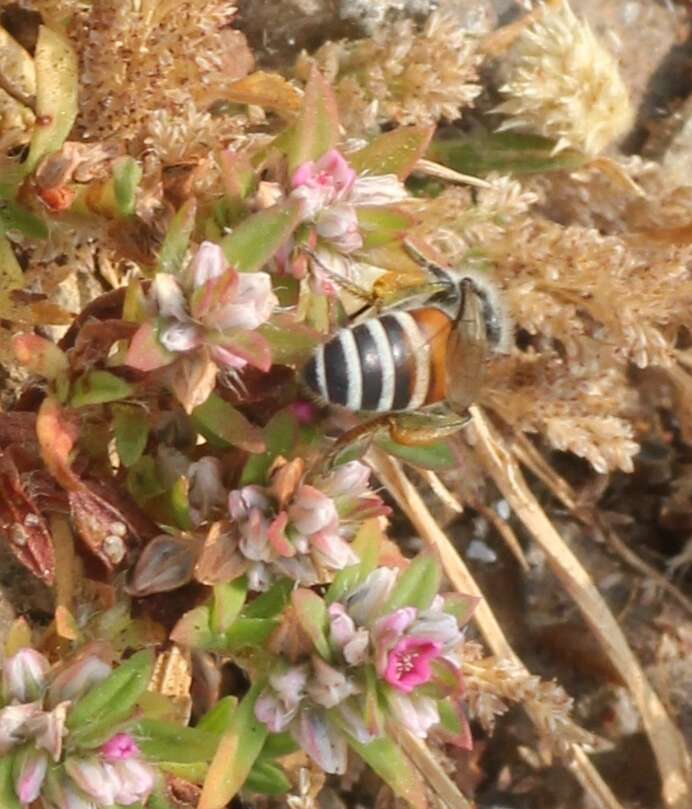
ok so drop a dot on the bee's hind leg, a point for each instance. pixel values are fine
(420, 428)
(415, 429)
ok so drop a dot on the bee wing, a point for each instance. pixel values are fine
(467, 351)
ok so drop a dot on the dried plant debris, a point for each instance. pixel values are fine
(236, 302)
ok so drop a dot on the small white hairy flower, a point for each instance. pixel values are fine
(562, 83)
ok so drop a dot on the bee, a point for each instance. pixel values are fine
(431, 351)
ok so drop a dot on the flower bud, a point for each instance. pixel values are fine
(349, 479)
(312, 511)
(13, 720)
(166, 563)
(135, 781)
(76, 679)
(24, 676)
(29, 770)
(94, 777)
(341, 626)
(329, 686)
(209, 262)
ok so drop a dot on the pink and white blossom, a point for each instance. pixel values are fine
(119, 747)
(29, 771)
(24, 676)
(75, 679)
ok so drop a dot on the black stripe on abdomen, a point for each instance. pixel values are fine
(371, 367)
(336, 371)
(403, 365)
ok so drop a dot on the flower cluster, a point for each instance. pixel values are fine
(208, 307)
(294, 528)
(376, 664)
(47, 761)
(330, 194)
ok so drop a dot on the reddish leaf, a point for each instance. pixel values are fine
(107, 521)
(39, 355)
(57, 434)
(22, 524)
(145, 352)
(248, 345)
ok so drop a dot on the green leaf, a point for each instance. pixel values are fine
(461, 606)
(143, 481)
(280, 435)
(8, 797)
(278, 745)
(227, 604)
(311, 612)
(236, 754)
(14, 217)
(179, 504)
(218, 719)
(289, 343)
(57, 75)
(99, 387)
(435, 456)
(267, 778)
(174, 247)
(248, 632)
(504, 152)
(316, 130)
(380, 225)
(416, 586)
(126, 176)
(390, 763)
(250, 245)
(158, 799)
(224, 426)
(271, 603)
(395, 152)
(114, 699)
(131, 428)
(195, 772)
(366, 545)
(167, 741)
(193, 629)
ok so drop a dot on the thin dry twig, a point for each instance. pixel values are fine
(528, 455)
(437, 778)
(666, 740)
(411, 503)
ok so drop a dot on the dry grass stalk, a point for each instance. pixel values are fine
(407, 497)
(438, 780)
(666, 740)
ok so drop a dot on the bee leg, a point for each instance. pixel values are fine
(357, 440)
(419, 429)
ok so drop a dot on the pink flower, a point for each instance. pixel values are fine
(208, 263)
(408, 663)
(24, 676)
(332, 551)
(348, 479)
(312, 511)
(119, 747)
(236, 301)
(338, 224)
(319, 184)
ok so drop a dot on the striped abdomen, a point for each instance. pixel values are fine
(392, 362)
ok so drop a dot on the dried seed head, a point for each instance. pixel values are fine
(561, 82)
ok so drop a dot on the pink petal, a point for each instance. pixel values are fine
(277, 537)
